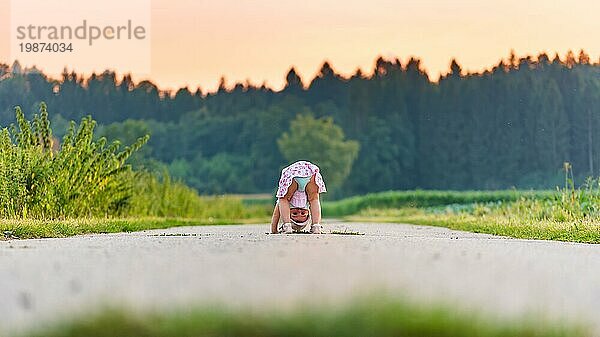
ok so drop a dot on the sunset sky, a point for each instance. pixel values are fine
(195, 42)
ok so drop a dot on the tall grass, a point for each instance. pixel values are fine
(161, 196)
(81, 177)
(568, 204)
(84, 177)
(565, 204)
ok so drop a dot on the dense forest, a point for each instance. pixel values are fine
(513, 125)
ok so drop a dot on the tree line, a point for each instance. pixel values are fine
(513, 125)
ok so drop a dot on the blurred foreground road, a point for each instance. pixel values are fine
(45, 280)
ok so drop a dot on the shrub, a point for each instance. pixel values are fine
(83, 177)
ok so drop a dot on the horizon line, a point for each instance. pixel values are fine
(119, 77)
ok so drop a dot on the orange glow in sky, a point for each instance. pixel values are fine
(195, 42)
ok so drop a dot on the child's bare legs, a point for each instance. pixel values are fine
(282, 209)
(275, 219)
(312, 191)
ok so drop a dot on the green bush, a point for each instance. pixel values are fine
(82, 177)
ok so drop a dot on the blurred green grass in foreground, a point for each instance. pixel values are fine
(375, 317)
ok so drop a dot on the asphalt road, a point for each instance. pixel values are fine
(45, 280)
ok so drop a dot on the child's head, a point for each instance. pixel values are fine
(299, 215)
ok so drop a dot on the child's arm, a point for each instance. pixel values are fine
(315, 209)
(275, 219)
(284, 210)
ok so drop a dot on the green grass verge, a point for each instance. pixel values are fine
(496, 223)
(378, 318)
(34, 229)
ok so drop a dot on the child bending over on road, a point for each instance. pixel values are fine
(298, 199)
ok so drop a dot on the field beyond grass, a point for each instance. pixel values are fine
(567, 214)
(380, 317)
(424, 198)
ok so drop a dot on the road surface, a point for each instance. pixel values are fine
(242, 265)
